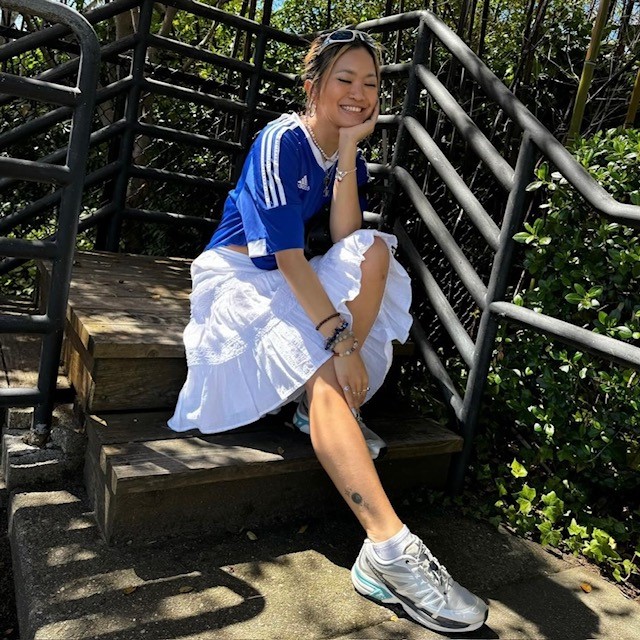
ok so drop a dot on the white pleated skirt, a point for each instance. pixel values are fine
(251, 347)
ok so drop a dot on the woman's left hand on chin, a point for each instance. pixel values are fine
(360, 131)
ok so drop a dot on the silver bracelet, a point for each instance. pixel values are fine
(341, 175)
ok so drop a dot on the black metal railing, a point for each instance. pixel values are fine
(536, 141)
(79, 100)
(445, 184)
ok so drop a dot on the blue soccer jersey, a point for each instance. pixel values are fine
(284, 183)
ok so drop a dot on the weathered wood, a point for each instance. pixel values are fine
(182, 461)
(123, 384)
(114, 428)
(21, 360)
(147, 481)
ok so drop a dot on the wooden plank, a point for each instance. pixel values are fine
(21, 361)
(131, 334)
(114, 428)
(132, 384)
(185, 461)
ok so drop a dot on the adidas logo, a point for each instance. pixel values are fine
(303, 183)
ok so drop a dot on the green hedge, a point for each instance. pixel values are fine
(558, 457)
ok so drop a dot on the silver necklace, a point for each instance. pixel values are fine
(325, 157)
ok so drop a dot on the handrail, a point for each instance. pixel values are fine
(564, 162)
(59, 251)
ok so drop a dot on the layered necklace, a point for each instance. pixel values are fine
(325, 157)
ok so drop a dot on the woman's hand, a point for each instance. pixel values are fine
(353, 135)
(353, 378)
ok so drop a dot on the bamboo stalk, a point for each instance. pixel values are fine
(633, 103)
(587, 71)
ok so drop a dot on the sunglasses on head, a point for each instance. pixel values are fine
(344, 36)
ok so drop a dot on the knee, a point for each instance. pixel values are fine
(377, 258)
(323, 387)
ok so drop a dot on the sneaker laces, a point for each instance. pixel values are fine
(421, 558)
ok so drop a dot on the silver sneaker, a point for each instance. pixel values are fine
(376, 445)
(421, 585)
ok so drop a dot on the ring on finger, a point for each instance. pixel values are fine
(346, 388)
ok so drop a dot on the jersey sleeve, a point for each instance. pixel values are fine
(270, 203)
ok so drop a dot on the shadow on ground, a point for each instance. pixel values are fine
(292, 581)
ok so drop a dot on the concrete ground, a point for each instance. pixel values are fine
(287, 582)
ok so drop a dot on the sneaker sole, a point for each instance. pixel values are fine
(381, 595)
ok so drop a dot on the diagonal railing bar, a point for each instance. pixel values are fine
(464, 196)
(467, 128)
(32, 89)
(232, 20)
(13, 247)
(441, 235)
(176, 135)
(197, 97)
(97, 137)
(108, 52)
(20, 169)
(437, 298)
(46, 121)
(45, 203)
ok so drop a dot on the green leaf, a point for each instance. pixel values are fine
(517, 470)
(577, 530)
(527, 492)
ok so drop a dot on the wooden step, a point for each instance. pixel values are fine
(125, 319)
(20, 361)
(146, 481)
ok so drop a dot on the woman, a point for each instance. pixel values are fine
(268, 326)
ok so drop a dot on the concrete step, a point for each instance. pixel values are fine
(290, 582)
(146, 481)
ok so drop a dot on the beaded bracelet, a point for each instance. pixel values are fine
(345, 335)
(349, 351)
(328, 345)
(331, 317)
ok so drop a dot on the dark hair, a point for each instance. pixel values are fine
(320, 60)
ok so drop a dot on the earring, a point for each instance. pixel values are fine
(311, 110)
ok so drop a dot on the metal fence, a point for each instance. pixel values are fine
(448, 181)
(65, 168)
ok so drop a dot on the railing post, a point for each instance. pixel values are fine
(498, 281)
(409, 109)
(132, 113)
(254, 90)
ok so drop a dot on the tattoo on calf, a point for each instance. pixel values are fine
(356, 498)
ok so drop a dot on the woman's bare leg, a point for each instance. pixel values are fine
(335, 434)
(342, 451)
(366, 306)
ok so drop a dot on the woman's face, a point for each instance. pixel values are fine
(349, 91)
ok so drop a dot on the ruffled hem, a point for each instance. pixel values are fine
(250, 345)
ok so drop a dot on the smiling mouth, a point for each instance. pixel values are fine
(351, 109)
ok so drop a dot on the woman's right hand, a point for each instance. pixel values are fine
(353, 378)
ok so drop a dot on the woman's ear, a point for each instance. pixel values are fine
(308, 88)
